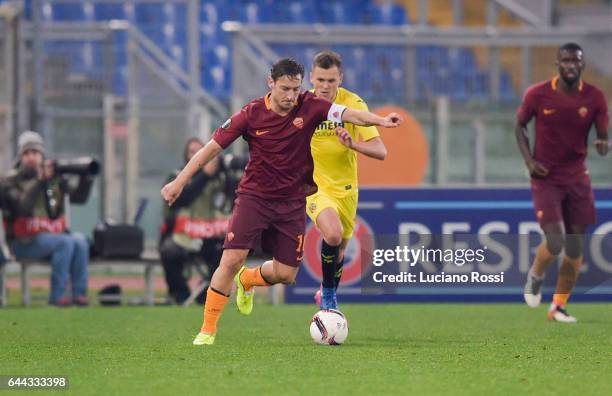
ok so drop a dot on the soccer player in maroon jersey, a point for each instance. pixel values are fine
(565, 108)
(272, 194)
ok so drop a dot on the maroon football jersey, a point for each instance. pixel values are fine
(562, 126)
(280, 164)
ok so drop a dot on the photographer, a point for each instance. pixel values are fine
(196, 224)
(35, 220)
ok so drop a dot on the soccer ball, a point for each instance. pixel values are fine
(329, 327)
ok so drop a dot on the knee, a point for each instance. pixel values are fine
(285, 274)
(231, 262)
(80, 242)
(170, 251)
(334, 238)
(65, 244)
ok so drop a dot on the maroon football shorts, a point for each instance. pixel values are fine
(281, 225)
(570, 204)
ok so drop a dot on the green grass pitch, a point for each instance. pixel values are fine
(417, 349)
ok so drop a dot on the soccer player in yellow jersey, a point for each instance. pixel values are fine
(334, 148)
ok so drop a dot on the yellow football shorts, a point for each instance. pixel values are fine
(346, 208)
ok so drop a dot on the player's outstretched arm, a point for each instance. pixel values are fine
(373, 148)
(171, 191)
(365, 118)
(535, 168)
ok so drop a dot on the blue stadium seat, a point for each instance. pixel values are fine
(154, 33)
(217, 80)
(506, 88)
(253, 12)
(216, 12)
(149, 14)
(386, 13)
(222, 54)
(478, 85)
(462, 59)
(439, 70)
(333, 12)
(180, 35)
(180, 13)
(27, 9)
(216, 56)
(300, 12)
(63, 11)
(119, 85)
(179, 54)
(208, 36)
(109, 11)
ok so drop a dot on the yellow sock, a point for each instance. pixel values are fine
(542, 260)
(252, 277)
(215, 302)
(568, 274)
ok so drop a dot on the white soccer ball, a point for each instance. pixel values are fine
(329, 327)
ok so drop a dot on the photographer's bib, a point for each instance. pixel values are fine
(24, 227)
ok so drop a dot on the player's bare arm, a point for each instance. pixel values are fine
(365, 118)
(535, 168)
(373, 148)
(171, 191)
(602, 145)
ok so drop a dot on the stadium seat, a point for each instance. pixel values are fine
(439, 70)
(301, 12)
(149, 14)
(216, 12)
(60, 11)
(334, 12)
(506, 88)
(109, 11)
(253, 12)
(386, 13)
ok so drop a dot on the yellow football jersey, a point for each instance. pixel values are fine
(335, 170)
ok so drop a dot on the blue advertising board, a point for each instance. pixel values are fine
(501, 221)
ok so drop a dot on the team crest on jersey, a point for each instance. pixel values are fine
(298, 122)
(312, 207)
(583, 111)
(227, 123)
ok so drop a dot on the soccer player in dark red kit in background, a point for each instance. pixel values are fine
(272, 193)
(565, 109)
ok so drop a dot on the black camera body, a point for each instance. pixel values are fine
(85, 166)
(232, 167)
(233, 162)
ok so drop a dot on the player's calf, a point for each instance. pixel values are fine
(278, 272)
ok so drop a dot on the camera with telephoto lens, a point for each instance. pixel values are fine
(233, 162)
(232, 168)
(86, 166)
